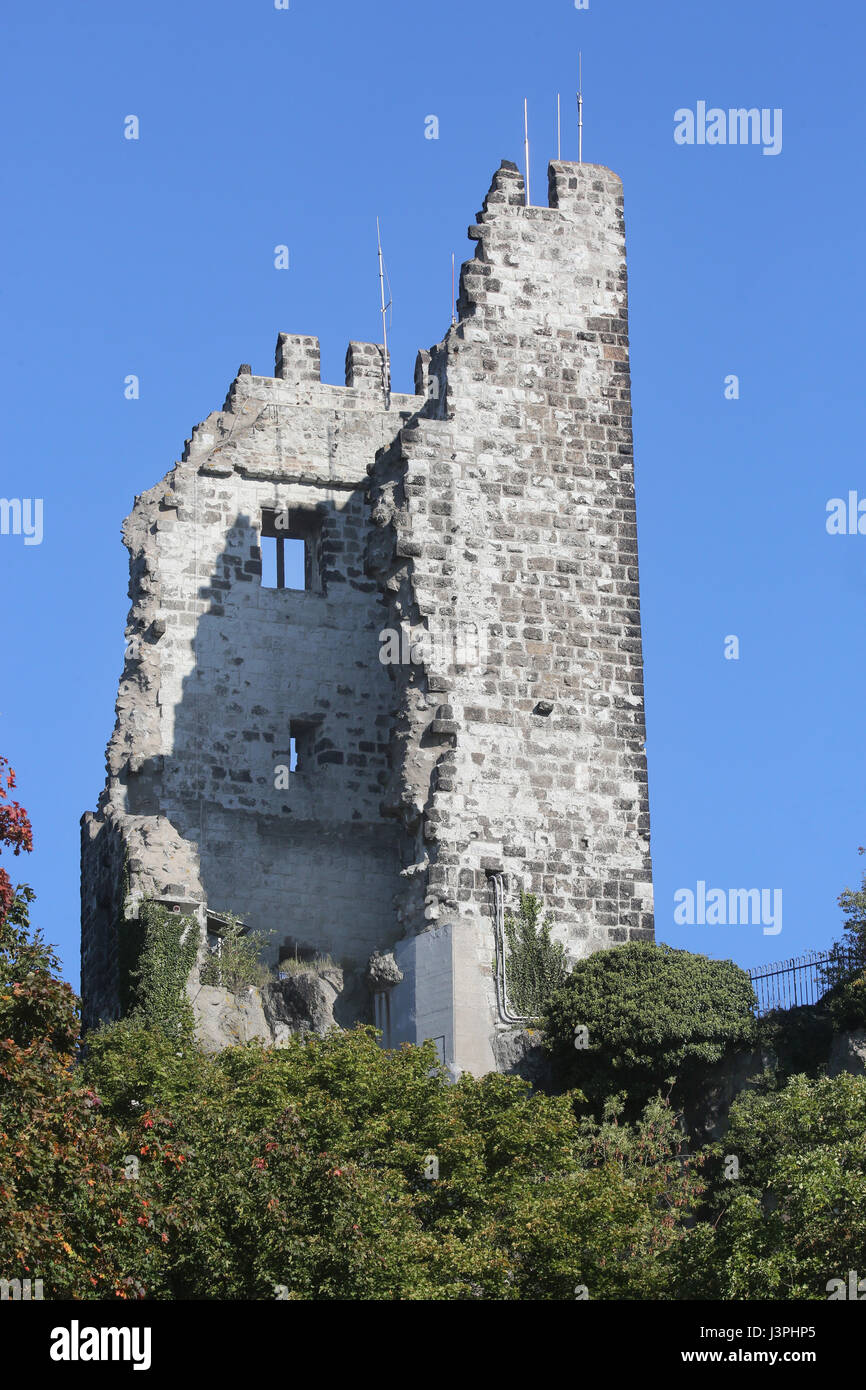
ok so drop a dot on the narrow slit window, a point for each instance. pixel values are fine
(291, 550)
(302, 738)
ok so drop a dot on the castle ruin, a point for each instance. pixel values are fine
(451, 707)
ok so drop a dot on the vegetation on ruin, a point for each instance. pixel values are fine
(535, 966)
(291, 965)
(238, 963)
(169, 950)
(334, 1169)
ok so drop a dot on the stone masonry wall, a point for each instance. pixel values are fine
(514, 511)
(217, 668)
(490, 518)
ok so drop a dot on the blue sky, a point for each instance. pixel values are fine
(260, 127)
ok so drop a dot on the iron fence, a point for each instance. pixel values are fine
(800, 980)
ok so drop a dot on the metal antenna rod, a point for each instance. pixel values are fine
(558, 129)
(526, 148)
(580, 108)
(387, 364)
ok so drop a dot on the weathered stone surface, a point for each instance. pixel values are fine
(223, 1019)
(707, 1110)
(521, 1053)
(383, 972)
(488, 522)
(302, 1003)
(848, 1053)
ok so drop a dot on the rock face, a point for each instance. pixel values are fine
(848, 1053)
(453, 688)
(302, 1003)
(706, 1113)
(521, 1053)
(707, 1110)
(223, 1019)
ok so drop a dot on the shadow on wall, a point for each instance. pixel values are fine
(281, 747)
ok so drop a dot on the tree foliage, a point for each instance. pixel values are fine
(846, 974)
(793, 1216)
(15, 832)
(634, 1017)
(332, 1169)
(60, 1203)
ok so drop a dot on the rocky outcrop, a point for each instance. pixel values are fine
(302, 1003)
(848, 1053)
(223, 1019)
(522, 1053)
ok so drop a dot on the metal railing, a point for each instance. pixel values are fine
(786, 984)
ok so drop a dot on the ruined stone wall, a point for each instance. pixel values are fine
(218, 667)
(514, 510)
(492, 517)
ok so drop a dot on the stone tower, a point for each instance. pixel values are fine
(457, 687)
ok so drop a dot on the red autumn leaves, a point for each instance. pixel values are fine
(15, 831)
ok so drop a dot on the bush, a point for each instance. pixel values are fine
(847, 1003)
(307, 1168)
(799, 1038)
(238, 964)
(651, 1013)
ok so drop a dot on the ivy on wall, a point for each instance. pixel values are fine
(168, 953)
(535, 966)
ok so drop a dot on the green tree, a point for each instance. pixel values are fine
(790, 1214)
(333, 1169)
(846, 974)
(635, 1017)
(63, 1203)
